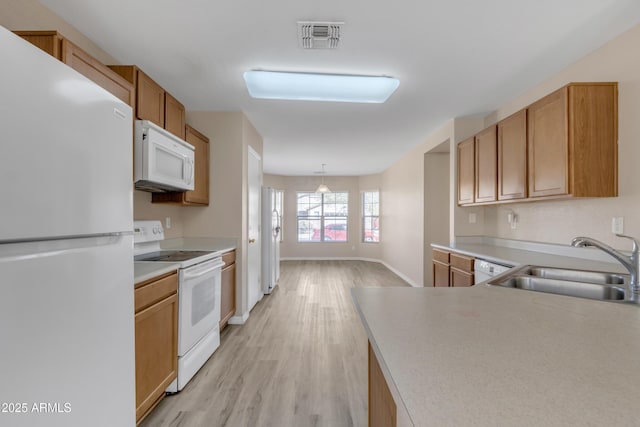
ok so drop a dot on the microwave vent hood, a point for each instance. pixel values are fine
(162, 161)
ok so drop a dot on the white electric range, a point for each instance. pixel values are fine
(199, 280)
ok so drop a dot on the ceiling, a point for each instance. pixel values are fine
(454, 58)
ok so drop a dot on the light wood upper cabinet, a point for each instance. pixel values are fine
(149, 99)
(64, 50)
(486, 172)
(564, 145)
(199, 196)
(466, 171)
(153, 102)
(512, 157)
(573, 142)
(548, 146)
(174, 116)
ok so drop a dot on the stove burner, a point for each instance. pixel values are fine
(171, 256)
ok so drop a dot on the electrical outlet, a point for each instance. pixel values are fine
(617, 225)
(167, 222)
(473, 218)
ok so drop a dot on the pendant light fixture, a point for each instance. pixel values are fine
(322, 188)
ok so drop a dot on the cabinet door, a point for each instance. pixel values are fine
(382, 406)
(512, 157)
(156, 330)
(228, 294)
(200, 193)
(174, 116)
(149, 99)
(466, 171)
(593, 142)
(486, 173)
(459, 278)
(440, 274)
(548, 146)
(48, 41)
(93, 69)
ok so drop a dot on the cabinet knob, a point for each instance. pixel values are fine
(252, 240)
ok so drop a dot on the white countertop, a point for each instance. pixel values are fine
(511, 253)
(491, 356)
(143, 271)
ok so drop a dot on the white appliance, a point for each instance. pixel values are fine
(485, 270)
(199, 287)
(163, 162)
(270, 240)
(66, 268)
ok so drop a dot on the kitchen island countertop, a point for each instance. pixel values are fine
(491, 356)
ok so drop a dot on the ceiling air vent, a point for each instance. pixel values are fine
(319, 35)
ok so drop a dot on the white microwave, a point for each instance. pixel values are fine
(162, 161)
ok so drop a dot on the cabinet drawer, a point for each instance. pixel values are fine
(458, 278)
(461, 262)
(154, 290)
(441, 256)
(229, 258)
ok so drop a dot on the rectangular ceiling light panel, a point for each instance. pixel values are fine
(319, 87)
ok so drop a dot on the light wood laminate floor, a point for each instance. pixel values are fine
(300, 360)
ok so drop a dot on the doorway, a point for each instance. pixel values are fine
(254, 182)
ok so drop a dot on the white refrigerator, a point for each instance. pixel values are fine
(271, 228)
(66, 246)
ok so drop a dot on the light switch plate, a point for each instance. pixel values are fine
(473, 218)
(617, 225)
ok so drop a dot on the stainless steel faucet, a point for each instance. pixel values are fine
(631, 263)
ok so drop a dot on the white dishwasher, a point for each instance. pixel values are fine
(485, 270)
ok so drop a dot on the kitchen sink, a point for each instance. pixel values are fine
(578, 275)
(576, 283)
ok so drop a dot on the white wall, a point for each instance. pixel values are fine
(436, 206)
(32, 15)
(560, 221)
(231, 134)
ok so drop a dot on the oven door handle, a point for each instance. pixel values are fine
(195, 275)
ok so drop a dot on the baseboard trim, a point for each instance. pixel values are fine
(238, 320)
(396, 272)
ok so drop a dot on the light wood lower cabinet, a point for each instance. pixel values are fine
(452, 269)
(440, 268)
(156, 340)
(228, 291)
(461, 270)
(382, 407)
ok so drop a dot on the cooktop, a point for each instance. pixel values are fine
(170, 256)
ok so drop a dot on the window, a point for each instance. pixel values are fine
(322, 217)
(370, 216)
